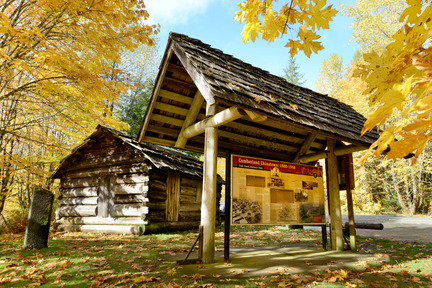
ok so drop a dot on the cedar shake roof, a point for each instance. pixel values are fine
(282, 120)
(160, 157)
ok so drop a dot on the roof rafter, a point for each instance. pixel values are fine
(198, 79)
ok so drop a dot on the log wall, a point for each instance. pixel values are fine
(104, 190)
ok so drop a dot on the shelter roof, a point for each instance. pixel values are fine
(161, 157)
(281, 120)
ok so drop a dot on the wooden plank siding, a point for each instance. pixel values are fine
(106, 183)
(125, 189)
(173, 197)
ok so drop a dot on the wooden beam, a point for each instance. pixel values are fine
(305, 147)
(190, 118)
(239, 148)
(162, 130)
(181, 83)
(119, 168)
(208, 204)
(179, 70)
(271, 134)
(167, 120)
(246, 140)
(276, 122)
(334, 197)
(77, 210)
(175, 96)
(255, 117)
(100, 221)
(214, 121)
(171, 108)
(266, 129)
(339, 151)
(160, 141)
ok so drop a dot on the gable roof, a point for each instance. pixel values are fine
(292, 114)
(160, 157)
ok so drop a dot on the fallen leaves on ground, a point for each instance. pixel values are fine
(138, 261)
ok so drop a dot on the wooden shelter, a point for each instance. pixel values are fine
(113, 184)
(207, 101)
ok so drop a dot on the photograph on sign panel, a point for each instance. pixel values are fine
(273, 192)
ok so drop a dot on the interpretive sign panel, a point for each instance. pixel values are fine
(274, 192)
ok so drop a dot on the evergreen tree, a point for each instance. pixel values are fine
(292, 74)
(133, 110)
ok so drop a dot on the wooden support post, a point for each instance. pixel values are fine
(335, 206)
(328, 203)
(351, 222)
(227, 206)
(208, 204)
(349, 179)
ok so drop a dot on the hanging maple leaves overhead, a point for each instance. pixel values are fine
(306, 16)
(401, 79)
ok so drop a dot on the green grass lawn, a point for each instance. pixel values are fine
(84, 260)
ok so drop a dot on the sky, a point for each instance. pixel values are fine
(212, 22)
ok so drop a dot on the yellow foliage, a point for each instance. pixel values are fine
(57, 78)
(306, 16)
(400, 79)
(309, 44)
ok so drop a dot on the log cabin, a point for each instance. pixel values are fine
(114, 184)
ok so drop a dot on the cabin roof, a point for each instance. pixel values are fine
(281, 120)
(159, 156)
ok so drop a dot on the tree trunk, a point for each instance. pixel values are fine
(400, 196)
(3, 193)
(408, 195)
(415, 197)
(5, 183)
(39, 219)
